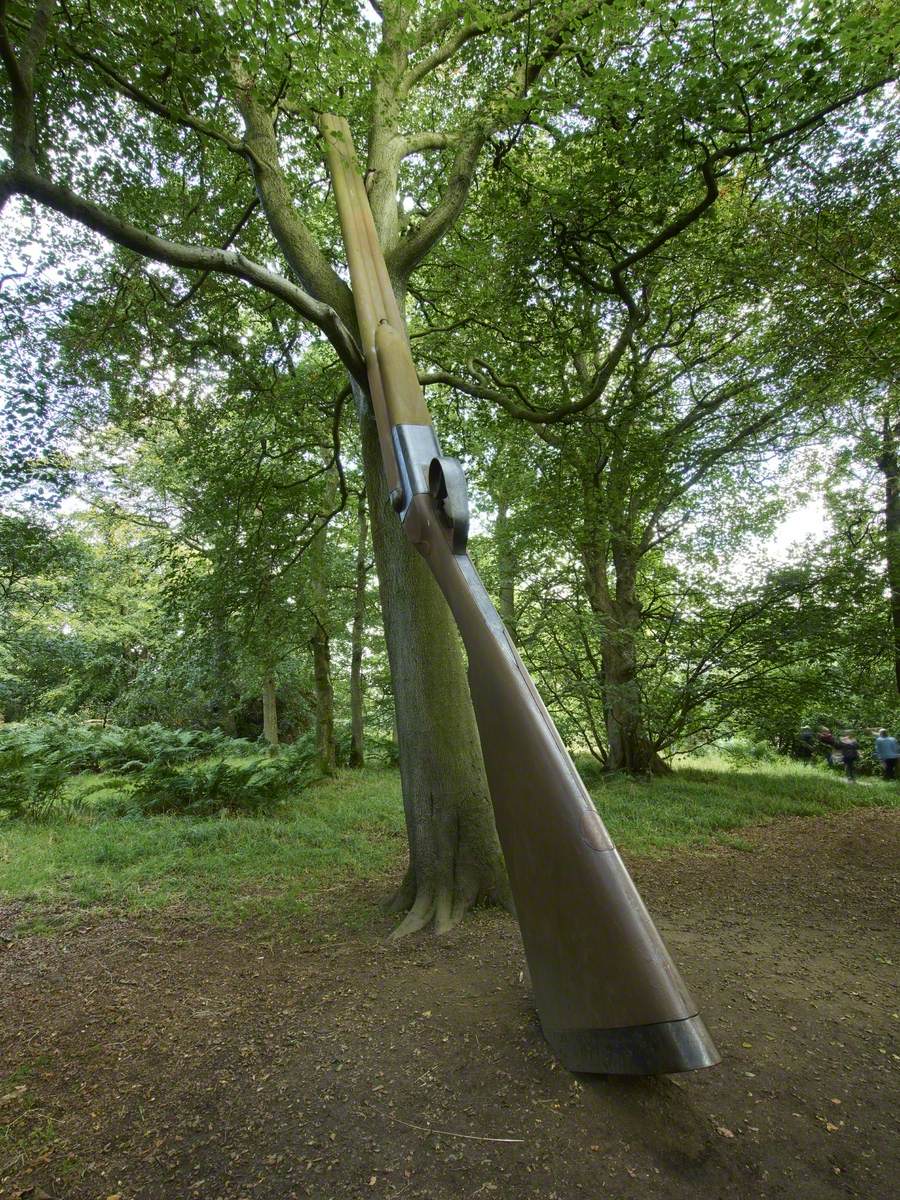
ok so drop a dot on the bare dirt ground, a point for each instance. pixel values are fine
(149, 1061)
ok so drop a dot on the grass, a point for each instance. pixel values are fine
(351, 828)
(703, 800)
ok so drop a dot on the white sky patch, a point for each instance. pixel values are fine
(72, 504)
(802, 527)
(807, 524)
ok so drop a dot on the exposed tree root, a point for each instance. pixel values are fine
(442, 908)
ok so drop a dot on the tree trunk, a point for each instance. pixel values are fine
(325, 748)
(455, 858)
(270, 710)
(629, 746)
(506, 571)
(319, 642)
(357, 738)
(888, 464)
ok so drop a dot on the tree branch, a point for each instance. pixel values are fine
(674, 227)
(816, 118)
(17, 79)
(417, 72)
(416, 143)
(245, 216)
(412, 249)
(299, 247)
(125, 87)
(481, 391)
(193, 258)
(704, 466)
(20, 70)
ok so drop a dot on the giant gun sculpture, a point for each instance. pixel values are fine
(608, 995)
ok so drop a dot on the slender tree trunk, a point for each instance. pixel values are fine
(357, 738)
(319, 643)
(270, 709)
(890, 468)
(455, 857)
(629, 747)
(507, 568)
(325, 746)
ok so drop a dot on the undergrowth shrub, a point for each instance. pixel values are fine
(77, 746)
(122, 749)
(204, 789)
(381, 751)
(29, 787)
(740, 752)
(38, 758)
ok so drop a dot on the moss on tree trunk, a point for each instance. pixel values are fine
(454, 854)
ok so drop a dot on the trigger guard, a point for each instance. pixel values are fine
(447, 485)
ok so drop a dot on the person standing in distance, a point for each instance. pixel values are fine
(887, 751)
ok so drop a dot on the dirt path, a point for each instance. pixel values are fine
(169, 1062)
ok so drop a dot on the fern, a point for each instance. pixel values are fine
(204, 789)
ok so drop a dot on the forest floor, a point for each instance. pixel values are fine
(152, 1057)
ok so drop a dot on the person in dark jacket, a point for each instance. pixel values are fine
(805, 745)
(849, 749)
(829, 741)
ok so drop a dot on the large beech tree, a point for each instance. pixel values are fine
(189, 137)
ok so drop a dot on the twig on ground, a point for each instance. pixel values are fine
(473, 1137)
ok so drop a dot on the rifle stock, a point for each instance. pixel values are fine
(608, 995)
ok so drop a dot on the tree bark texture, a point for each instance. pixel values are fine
(357, 716)
(270, 709)
(320, 645)
(326, 750)
(455, 857)
(629, 746)
(890, 468)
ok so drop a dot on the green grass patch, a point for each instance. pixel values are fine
(703, 800)
(349, 827)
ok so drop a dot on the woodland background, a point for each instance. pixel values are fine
(648, 261)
